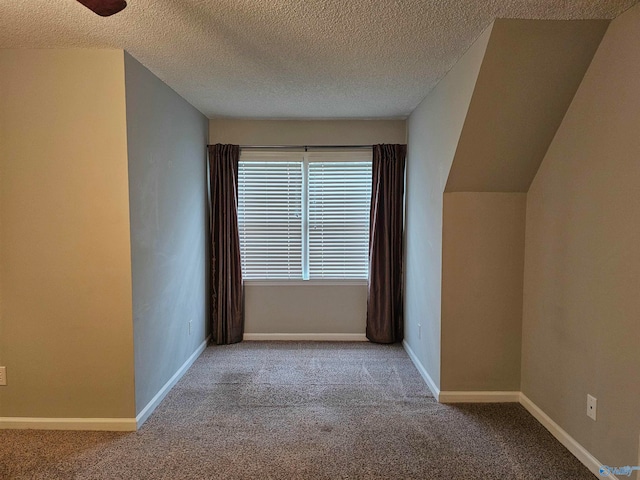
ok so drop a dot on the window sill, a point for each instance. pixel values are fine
(306, 283)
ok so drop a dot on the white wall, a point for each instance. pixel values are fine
(581, 326)
(306, 307)
(433, 132)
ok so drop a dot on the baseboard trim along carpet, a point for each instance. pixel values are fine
(94, 424)
(563, 437)
(300, 337)
(479, 397)
(578, 451)
(103, 424)
(155, 401)
(421, 370)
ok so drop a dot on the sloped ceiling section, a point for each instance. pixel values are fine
(529, 75)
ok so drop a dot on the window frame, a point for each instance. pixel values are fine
(305, 157)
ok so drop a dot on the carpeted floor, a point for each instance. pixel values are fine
(301, 410)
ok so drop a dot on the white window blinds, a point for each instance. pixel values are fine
(304, 215)
(270, 216)
(339, 203)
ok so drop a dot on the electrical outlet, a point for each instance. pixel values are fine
(419, 330)
(592, 406)
(3, 375)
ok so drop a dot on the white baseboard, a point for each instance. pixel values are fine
(563, 437)
(317, 337)
(478, 397)
(581, 453)
(96, 424)
(155, 401)
(421, 370)
(102, 424)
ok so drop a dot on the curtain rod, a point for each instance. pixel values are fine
(282, 147)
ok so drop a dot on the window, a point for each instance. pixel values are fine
(304, 215)
(270, 216)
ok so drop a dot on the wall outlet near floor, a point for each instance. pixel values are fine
(592, 405)
(3, 375)
(419, 330)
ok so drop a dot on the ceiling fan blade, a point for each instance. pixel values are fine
(104, 8)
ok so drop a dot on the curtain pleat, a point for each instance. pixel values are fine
(384, 297)
(226, 269)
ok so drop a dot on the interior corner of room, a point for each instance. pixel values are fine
(521, 234)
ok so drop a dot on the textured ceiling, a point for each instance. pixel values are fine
(287, 58)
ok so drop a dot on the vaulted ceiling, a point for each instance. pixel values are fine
(287, 58)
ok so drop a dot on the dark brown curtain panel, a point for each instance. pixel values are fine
(226, 268)
(384, 298)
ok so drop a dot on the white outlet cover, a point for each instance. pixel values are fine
(592, 406)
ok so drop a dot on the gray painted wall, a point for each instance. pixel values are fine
(581, 310)
(482, 275)
(166, 140)
(308, 307)
(433, 131)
